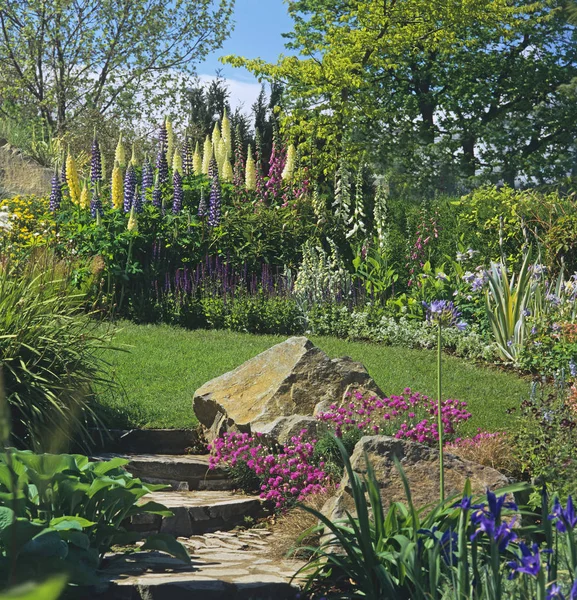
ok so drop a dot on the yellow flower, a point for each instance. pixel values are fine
(250, 179)
(132, 221)
(207, 155)
(197, 161)
(120, 154)
(84, 199)
(117, 187)
(177, 161)
(72, 179)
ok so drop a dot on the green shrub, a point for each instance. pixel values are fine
(63, 513)
(50, 353)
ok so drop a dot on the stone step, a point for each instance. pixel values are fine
(225, 566)
(181, 472)
(198, 512)
(148, 441)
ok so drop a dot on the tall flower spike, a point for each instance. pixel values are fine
(207, 155)
(187, 161)
(239, 164)
(156, 195)
(226, 133)
(178, 192)
(169, 141)
(95, 163)
(358, 216)
(63, 171)
(137, 201)
(120, 153)
(84, 197)
(96, 206)
(202, 208)
(215, 199)
(117, 191)
(147, 179)
(163, 135)
(289, 168)
(273, 185)
(162, 166)
(381, 215)
(72, 179)
(132, 221)
(216, 137)
(197, 160)
(250, 178)
(133, 160)
(55, 193)
(177, 162)
(227, 174)
(129, 187)
(259, 185)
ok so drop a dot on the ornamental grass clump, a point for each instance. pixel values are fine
(283, 477)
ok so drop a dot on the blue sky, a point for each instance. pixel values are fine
(257, 33)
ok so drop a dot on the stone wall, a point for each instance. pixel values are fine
(21, 175)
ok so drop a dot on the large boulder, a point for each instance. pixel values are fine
(289, 379)
(421, 466)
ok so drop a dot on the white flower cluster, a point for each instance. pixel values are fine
(322, 276)
(5, 221)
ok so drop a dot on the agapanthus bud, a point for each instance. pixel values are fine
(147, 178)
(120, 153)
(289, 168)
(95, 163)
(55, 193)
(197, 161)
(72, 179)
(117, 188)
(250, 178)
(177, 162)
(178, 192)
(162, 166)
(129, 187)
(207, 155)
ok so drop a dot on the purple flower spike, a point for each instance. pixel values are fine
(55, 193)
(162, 166)
(156, 196)
(96, 206)
(147, 179)
(215, 200)
(178, 193)
(202, 208)
(129, 187)
(95, 163)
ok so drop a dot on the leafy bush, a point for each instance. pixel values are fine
(50, 354)
(545, 438)
(62, 513)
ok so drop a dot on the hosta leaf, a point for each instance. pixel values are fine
(46, 543)
(77, 523)
(166, 543)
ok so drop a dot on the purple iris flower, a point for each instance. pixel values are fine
(465, 503)
(502, 534)
(445, 313)
(564, 518)
(529, 562)
(555, 593)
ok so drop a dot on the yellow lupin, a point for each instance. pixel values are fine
(226, 133)
(72, 179)
(227, 173)
(207, 155)
(84, 199)
(120, 153)
(132, 221)
(177, 162)
(197, 161)
(117, 191)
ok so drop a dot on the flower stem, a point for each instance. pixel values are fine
(439, 415)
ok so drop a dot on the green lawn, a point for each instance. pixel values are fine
(165, 365)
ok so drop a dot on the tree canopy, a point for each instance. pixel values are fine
(440, 93)
(65, 60)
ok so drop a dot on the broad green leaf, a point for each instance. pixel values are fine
(166, 543)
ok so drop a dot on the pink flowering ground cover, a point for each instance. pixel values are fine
(411, 416)
(285, 477)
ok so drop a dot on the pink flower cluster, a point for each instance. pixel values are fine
(285, 477)
(410, 415)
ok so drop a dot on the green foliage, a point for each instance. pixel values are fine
(50, 352)
(507, 302)
(62, 513)
(51, 589)
(545, 436)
